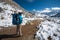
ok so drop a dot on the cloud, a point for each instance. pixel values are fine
(43, 11)
(33, 10)
(47, 10)
(56, 8)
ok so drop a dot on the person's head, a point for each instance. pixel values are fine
(20, 13)
(15, 12)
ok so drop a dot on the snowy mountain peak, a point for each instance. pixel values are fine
(48, 11)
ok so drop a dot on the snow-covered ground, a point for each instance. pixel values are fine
(49, 28)
(6, 17)
(26, 20)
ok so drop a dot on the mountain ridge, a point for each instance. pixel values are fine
(57, 15)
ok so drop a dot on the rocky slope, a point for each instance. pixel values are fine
(15, 5)
(7, 8)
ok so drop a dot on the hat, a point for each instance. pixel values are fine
(20, 11)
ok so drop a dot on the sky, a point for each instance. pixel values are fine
(38, 4)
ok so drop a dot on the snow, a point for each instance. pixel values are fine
(26, 20)
(48, 28)
(48, 11)
(7, 17)
(56, 8)
(6, 14)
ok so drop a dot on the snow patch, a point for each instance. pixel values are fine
(48, 29)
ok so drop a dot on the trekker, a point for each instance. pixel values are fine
(17, 20)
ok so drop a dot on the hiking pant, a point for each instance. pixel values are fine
(19, 29)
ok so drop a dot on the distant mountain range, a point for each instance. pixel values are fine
(53, 13)
(57, 15)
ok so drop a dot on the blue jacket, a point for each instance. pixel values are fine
(16, 19)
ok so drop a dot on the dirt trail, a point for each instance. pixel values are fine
(28, 31)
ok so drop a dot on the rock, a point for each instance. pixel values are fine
(1, 9)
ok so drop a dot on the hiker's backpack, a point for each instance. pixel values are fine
(16, 19)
